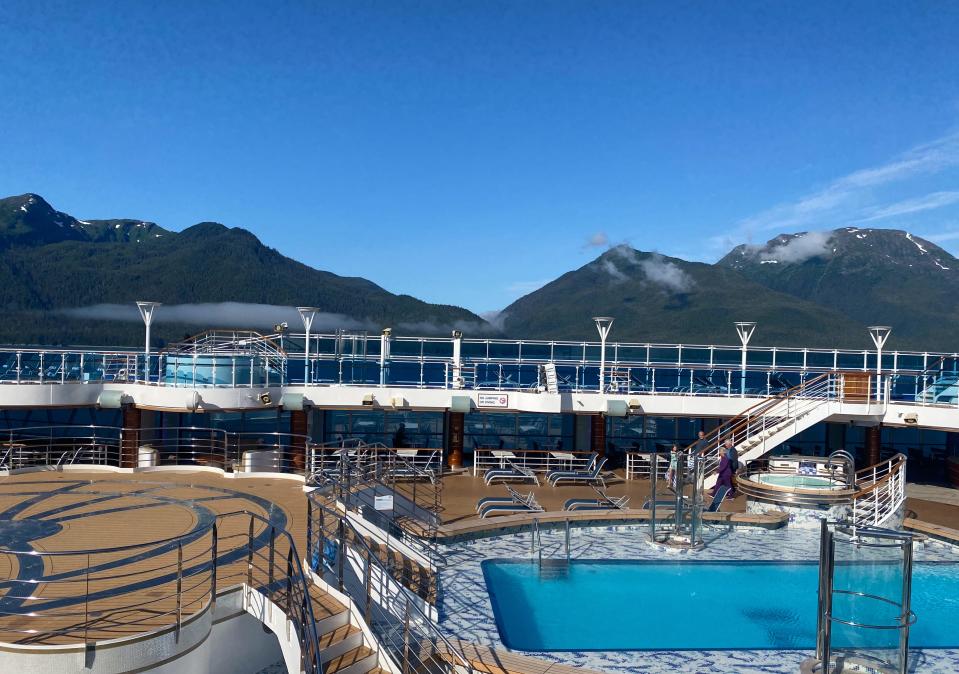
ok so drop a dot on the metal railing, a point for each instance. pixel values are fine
(99, 594)
(749, 430)
(246, 359)
(539, 460)
(153, 447)
(639, 465)
(896, 545)
(372, 579)
(881, 493)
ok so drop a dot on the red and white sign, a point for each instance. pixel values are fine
(492, 400)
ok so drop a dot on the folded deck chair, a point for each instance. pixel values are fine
(718, 498)
(514, 503)
(603, 501)
(591, 474)
(510, 473)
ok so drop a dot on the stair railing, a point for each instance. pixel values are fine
(401, 628)
(882, 491)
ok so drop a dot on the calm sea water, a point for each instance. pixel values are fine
(616, 605)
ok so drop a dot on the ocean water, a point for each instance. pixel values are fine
(617, 605)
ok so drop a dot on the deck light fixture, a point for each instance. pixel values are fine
(603, 326)
(146, 313)
(879, 334)
(745, 330)
(384, 355)
(307, 314)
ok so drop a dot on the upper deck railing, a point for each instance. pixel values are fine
(488, 364)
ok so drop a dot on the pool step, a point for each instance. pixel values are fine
(553, 567)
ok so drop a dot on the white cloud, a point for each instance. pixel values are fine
(610, 268)
(219, 315)
(916, 205)
(799, 248)
(597, 240)
(854, 197)
(942, 237)
(662, 272)
(254, 316)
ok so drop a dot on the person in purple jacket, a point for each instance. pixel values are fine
(727, 467)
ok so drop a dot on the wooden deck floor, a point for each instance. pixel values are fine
(108, 595)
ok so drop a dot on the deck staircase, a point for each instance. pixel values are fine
(771, 422)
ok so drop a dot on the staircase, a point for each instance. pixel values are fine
(769, 423)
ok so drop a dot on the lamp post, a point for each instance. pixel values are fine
(603, 325)
(146, 313)
(745, 330)
(307, 314)
(879, 334)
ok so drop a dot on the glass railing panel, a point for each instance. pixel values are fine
(438, 348)
(852, 360)
(697, 356)
(434, 374)
(405, 373)
(631, 354)
(912, 361)
(504, 350)
(72, 370)
(535, 351)
(406, 347)
(789, 359)
(567, 352)
(725, 355)
(472, 349)
(31, 367)
(663, 355)
(759, 356)
(820, 360)
(318, 345)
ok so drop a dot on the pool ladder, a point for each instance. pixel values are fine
(536, 545)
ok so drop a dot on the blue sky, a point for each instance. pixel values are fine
(465, 152)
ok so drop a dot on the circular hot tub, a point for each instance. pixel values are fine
(797, 481)
(806, 498)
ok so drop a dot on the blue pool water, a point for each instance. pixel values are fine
(617, 605)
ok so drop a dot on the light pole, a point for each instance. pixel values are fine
(603, 325)
(307, 314)
(745, 330)
(879, 334)
(146, 313)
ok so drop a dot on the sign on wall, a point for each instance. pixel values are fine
(492, 400)
(383, 502)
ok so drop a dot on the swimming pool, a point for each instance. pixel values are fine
(617, 605)
(800, 481)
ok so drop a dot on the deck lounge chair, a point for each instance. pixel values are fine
(603, 501)
(721, 494)
(514, 503)
(592, 474)
(510, 473)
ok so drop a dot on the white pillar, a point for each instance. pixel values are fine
(603, 326)
(384, 354)
(879, 334)
(745, 330)
(146, 313)
(457, 359)
(307, 314)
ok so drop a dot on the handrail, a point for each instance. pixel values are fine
(344, 535)
(190, 562)
(881, 494)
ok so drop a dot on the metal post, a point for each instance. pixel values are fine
(213, 568)
(653, 479)
(341, 553)
(249, 557)
(384, 355)
(406, 638)
(307, 314)
(879, 334)
(567, 540)
(906, 606)
(367, 583)
(146, 313)
(457, 359)
(86, 605)
(745, 330)
(272, 553)
(603, 325)
(179, 589)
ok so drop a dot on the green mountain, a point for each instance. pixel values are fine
(53, 262)
(664, 299)
(873, 276)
